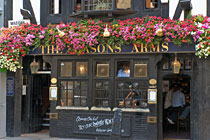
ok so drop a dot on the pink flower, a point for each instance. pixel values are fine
(41, 36)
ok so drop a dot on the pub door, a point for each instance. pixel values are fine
(176, 121)
(39, 108)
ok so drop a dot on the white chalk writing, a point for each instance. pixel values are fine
(94, 122)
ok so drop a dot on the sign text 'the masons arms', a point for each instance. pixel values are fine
(100, 49)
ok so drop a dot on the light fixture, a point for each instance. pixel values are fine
(177, 65)
(34, 66)
(159, 31)
(82, 69)
(106, 32)
(60, 33)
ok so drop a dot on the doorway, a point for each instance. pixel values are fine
(176, 120)
(35, 104)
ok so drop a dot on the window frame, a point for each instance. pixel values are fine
(101, 79)
(73, 78)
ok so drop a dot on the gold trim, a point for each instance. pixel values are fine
(151, 119)
(53, 80)
(148, 95)
(53, 116)
(152, 81)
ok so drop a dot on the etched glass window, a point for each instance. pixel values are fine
(102, 93)
(74, 93)
(66, 69)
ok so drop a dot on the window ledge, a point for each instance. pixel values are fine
(133, 109)
(100, 108)
(71, 108)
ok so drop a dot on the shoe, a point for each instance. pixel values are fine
(170, 121)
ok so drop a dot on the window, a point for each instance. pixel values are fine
(73, 83)
(77, 6)
(55, 6)
(151, 4)
(123, 69)
(102, 69)
(97, 5)
(102, 89)
(123, 4)
(66, 69)
(74, 93)
(131, 94)
(140, 69)
(81, 69)
(102, 92)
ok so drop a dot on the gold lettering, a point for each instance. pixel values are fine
(87, 51)
(94, 49)
(153, 48)
(143, 47)
(103, 48)
(43, 49)
(135, 48)
(165, 47)
(50, 49)
(109, 48)
(117, 48)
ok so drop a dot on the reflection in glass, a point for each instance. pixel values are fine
(66, 69)
(81, 68)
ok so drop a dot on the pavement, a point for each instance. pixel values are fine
(38, 136)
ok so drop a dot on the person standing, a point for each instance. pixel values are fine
(178, 102)
(168, 102)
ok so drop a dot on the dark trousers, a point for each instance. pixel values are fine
(175, 112)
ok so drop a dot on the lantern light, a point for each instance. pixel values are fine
(60, 33)
(177, 65)
(106, 32)
(34, 66)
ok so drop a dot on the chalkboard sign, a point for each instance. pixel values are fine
(93, 124)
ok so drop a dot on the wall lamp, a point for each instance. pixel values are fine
(177, 65)
(34, 66)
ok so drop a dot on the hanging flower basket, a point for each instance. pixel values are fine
(3, 70)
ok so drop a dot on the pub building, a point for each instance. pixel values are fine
(81, 93)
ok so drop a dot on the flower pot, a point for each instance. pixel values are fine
(3, 70)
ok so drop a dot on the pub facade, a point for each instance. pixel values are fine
(80, 94)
